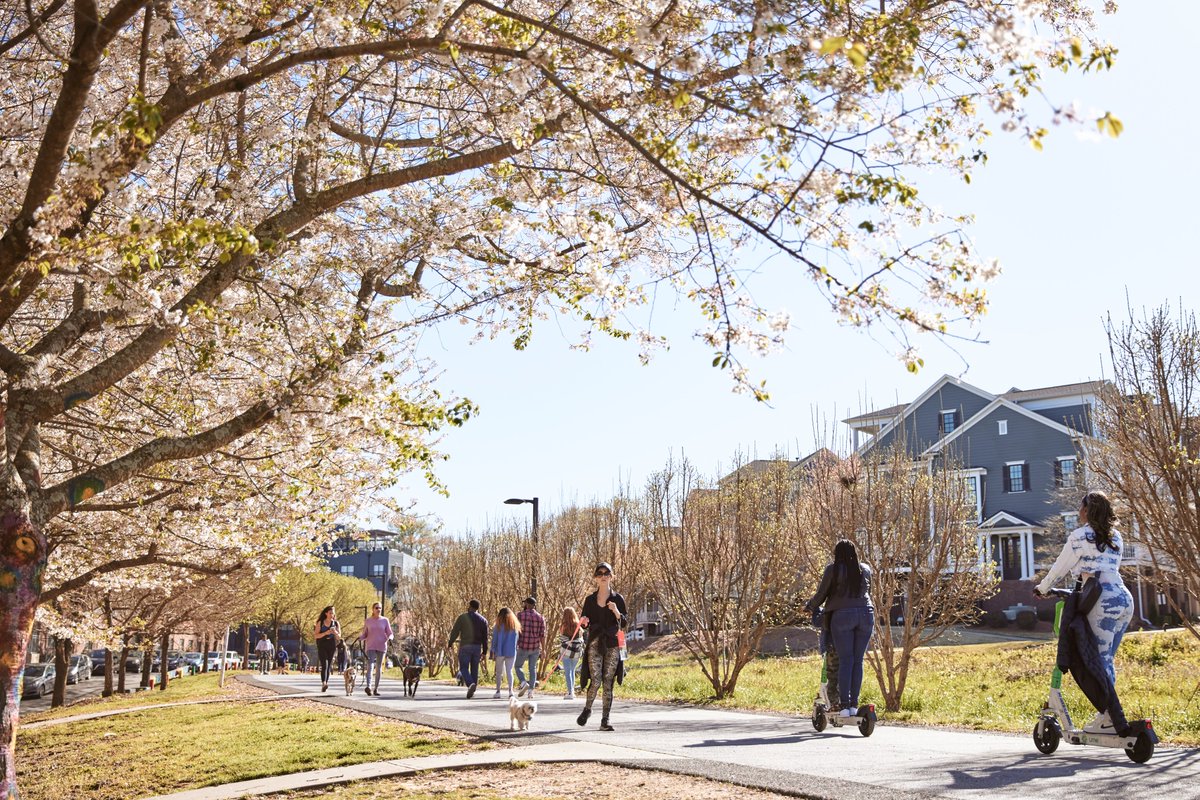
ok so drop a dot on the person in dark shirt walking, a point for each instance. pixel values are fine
(845, 591)
(603, 618)
(471, 632)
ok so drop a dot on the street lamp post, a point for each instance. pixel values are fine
(537, 555)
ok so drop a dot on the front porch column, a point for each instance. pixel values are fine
(1027, 549)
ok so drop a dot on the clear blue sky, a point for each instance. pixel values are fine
(1077, 227)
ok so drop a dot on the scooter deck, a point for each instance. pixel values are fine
(1136, 728)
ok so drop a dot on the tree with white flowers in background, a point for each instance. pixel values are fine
(223, 226)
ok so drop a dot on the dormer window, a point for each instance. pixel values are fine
(949, 420)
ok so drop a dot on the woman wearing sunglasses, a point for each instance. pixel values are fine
(603, 618)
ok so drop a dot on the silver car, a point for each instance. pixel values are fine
(39, 680)
(79, 669)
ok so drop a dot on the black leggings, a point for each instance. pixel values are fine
(325, 653)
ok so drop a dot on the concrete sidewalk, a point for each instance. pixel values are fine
(767, 751)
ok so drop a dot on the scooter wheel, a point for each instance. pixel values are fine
(819, 720)
(1047, 735)
(866, 726)
(1142, 749)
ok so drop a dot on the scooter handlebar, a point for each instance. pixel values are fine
(1054, 593)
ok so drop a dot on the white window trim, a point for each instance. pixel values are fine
(978, 474)
(1002, 427)
(1074, 473)
(1008, 464)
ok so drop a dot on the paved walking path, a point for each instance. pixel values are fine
(755, 749)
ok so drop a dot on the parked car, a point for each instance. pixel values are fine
(39, 680)
(214, 660)
(233, 659)
(195, 660)
(79, 669)
(98, 661)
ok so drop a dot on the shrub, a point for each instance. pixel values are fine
(995, 619)
(1026, 620)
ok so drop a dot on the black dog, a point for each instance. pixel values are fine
(412, 678)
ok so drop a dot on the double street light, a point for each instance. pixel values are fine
(516, 501)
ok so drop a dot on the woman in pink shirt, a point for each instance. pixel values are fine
(377, 632)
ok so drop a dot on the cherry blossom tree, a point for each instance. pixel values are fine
(224, 226)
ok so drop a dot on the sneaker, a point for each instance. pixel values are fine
(847, 713)
(530, 695)
(604, 726)
(470, 691)
(583, 716)
(1101, 724)
(496, 696)
(569, 697)
(524, 688)
(324, 686)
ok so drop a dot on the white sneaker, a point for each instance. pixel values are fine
(1102, 723)
(569, 697)
(524, 689)
(496, 696)
(849, 712)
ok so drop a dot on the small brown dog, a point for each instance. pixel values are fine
(412, 678)
(349, 677)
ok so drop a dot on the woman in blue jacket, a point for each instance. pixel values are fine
(504, 647)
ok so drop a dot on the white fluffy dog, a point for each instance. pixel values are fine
(520, 712)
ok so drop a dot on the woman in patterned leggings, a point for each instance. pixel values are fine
(1094, 549)
(603, 615)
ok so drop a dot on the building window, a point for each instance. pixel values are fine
(971, 484)
(1016, 477)
(949, 421)
(347, 570)
(377, 569)
(1064, 473)
(1002, 427)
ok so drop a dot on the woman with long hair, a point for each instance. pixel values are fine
(1094, 550)
(570, 643)
(845, 591)
(603, 617)
(504, 647)
(327, 633)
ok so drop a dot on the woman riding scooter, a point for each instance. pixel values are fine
(1094, 550)
(845, 591)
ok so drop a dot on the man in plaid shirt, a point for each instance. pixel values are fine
(529, 644)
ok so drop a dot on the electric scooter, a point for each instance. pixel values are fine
(1054, 723)
(822, 716)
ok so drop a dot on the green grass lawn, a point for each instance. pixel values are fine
(988, 686)
(193, 687)
(184, 747)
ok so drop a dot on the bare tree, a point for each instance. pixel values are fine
(1147, 445)
(912, 522)
(726, 558)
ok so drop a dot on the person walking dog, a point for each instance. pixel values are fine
(377, 632)
(327, 633)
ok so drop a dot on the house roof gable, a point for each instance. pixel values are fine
(1000, 402)
(915, 404)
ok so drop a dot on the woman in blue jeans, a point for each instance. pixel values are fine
(845, 591)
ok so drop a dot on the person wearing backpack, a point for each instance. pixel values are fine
(570, 644)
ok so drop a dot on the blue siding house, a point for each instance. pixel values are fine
(1016, 451)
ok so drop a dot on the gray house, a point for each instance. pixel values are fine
(381, 559)
(1016, 451)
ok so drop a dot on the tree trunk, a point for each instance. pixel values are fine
(120, 668)
(204, 652)
(147, 664)
(62, 662)
(108, 656)
(108, 673)
(163, 669)
(23, 555)
(245, 645)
